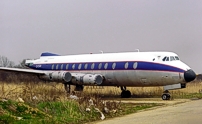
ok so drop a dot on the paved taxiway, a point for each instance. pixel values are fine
(189, 112)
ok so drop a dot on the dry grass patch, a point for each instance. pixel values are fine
(32, 91)
(54, 91)
(148, 92)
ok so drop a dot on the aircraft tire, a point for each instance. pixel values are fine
(79, 88)
(125, 94)
(165, 96)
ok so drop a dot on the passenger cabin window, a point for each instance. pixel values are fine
(79, 67)
(61, 67)
(52, 66)
(57, 67)
(86, 66)
(126, 65)
(135, 65)
(92, 66)
(113, 65)
(67, 66)
(73, 66)
(100, 66)
(106, 65)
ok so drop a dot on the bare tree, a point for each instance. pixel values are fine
(5, 62)
(21, 64)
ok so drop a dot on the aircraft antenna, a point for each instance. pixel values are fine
(101, 51)
(137, 50)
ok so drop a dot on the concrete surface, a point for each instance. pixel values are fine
(189, 112)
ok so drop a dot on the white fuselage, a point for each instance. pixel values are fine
(120, 69)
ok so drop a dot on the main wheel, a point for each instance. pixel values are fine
(79, 88)
(125, 94)
(128, 94)
(165, 96)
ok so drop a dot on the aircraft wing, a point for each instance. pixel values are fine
(28, 71)
(58, 76)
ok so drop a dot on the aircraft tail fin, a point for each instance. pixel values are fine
(48, 54)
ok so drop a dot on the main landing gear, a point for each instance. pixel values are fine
(166, 95)
(77, 88)
(67, 87)
(125, 93)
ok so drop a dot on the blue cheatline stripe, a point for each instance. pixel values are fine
(119, 66)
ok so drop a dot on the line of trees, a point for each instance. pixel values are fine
(6, 76)
(199, 77)
(5, 62)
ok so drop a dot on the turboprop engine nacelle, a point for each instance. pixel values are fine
(57, 76)
(86, 79)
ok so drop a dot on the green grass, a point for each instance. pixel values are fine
(11, 110)
(132, 108)
(60, 112)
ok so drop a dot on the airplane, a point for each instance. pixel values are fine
(124, 69)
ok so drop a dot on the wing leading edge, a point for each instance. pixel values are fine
(29, 71)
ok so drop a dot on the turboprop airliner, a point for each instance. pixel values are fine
(126, 69)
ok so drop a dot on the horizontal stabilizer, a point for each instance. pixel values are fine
(49, 54)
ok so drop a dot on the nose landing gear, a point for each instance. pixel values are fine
(166, 95)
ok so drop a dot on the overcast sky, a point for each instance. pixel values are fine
(30, 27)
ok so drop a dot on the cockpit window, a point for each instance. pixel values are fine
(177, 58)
(165, 58)
(28, 64)
(172, 58)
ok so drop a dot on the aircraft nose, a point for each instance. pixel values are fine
(189, 75)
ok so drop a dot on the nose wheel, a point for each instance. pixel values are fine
(166, 95)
